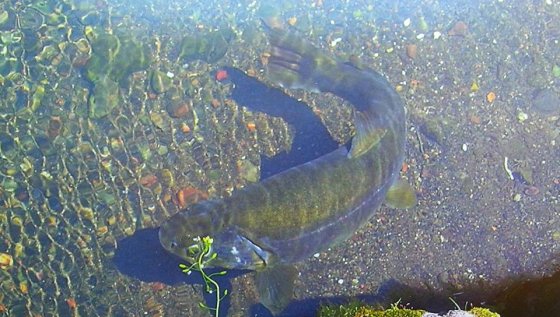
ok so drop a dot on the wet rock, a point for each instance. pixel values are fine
(7, 146)
(459, 29)
(6, 261)
(104, 98)
(189, 195)
(435, 129)
(30, 19)
(10, 37)
(411, 51)
(546, 102)
(177, 104)
(208, 47)
(160, 82)
(179, 109)
(55, 125)
(158, 121)
(556, 71)
(248, 171)
(167, 178)
(5, 18)
(47, 54)
(104, 47)
(115, 56)
(31, 42)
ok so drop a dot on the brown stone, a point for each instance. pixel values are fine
(459, 29)
(411, 50)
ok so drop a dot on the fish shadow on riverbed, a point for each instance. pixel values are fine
(142, 257)
(311, 138)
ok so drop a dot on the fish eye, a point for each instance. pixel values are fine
(173, 244)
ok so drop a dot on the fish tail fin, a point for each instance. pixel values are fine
(275, 287)
(296, 63)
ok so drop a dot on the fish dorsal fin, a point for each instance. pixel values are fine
(400, 195)
(275, 287)
(368, 134)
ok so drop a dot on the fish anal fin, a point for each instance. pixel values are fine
(275, 287)
(401, 195)
(368, 134)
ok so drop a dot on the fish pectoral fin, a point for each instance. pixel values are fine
(275, 287)
(401, 195)
(259, 254)
(368, 134)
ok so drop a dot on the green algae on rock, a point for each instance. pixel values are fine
(160, 82)
(117, 55)
(104, 98)
(209, 47)
(114, 58)
(357, 309)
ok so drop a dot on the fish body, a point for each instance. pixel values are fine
(288, 217)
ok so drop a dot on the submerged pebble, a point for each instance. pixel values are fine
(6, 261)
(411, 50)
(459, 29)
(546, 102)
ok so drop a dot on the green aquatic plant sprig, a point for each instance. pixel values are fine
(203, 255)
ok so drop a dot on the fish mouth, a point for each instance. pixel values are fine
(161, 237)
(166, 239)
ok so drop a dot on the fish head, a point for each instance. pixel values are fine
(181, 234)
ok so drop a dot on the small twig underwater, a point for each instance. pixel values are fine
(506, 168)
(202, 253)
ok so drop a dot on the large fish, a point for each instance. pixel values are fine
(286, 218)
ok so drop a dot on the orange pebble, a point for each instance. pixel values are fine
(490, 97)
(215, 103)
(148, 180)
(251, 126)
(185, 128)
(189, 195)
(221, 75)
(71, 302)
(404, 167)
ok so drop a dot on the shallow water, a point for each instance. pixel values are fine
(111, 120)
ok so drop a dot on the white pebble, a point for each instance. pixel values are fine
(420, 36)
(437, 35)
(340, 281)
(522, 116)
(465, 147)
(406, 22)
(335, 41)
(316, 255)
(170, 74)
